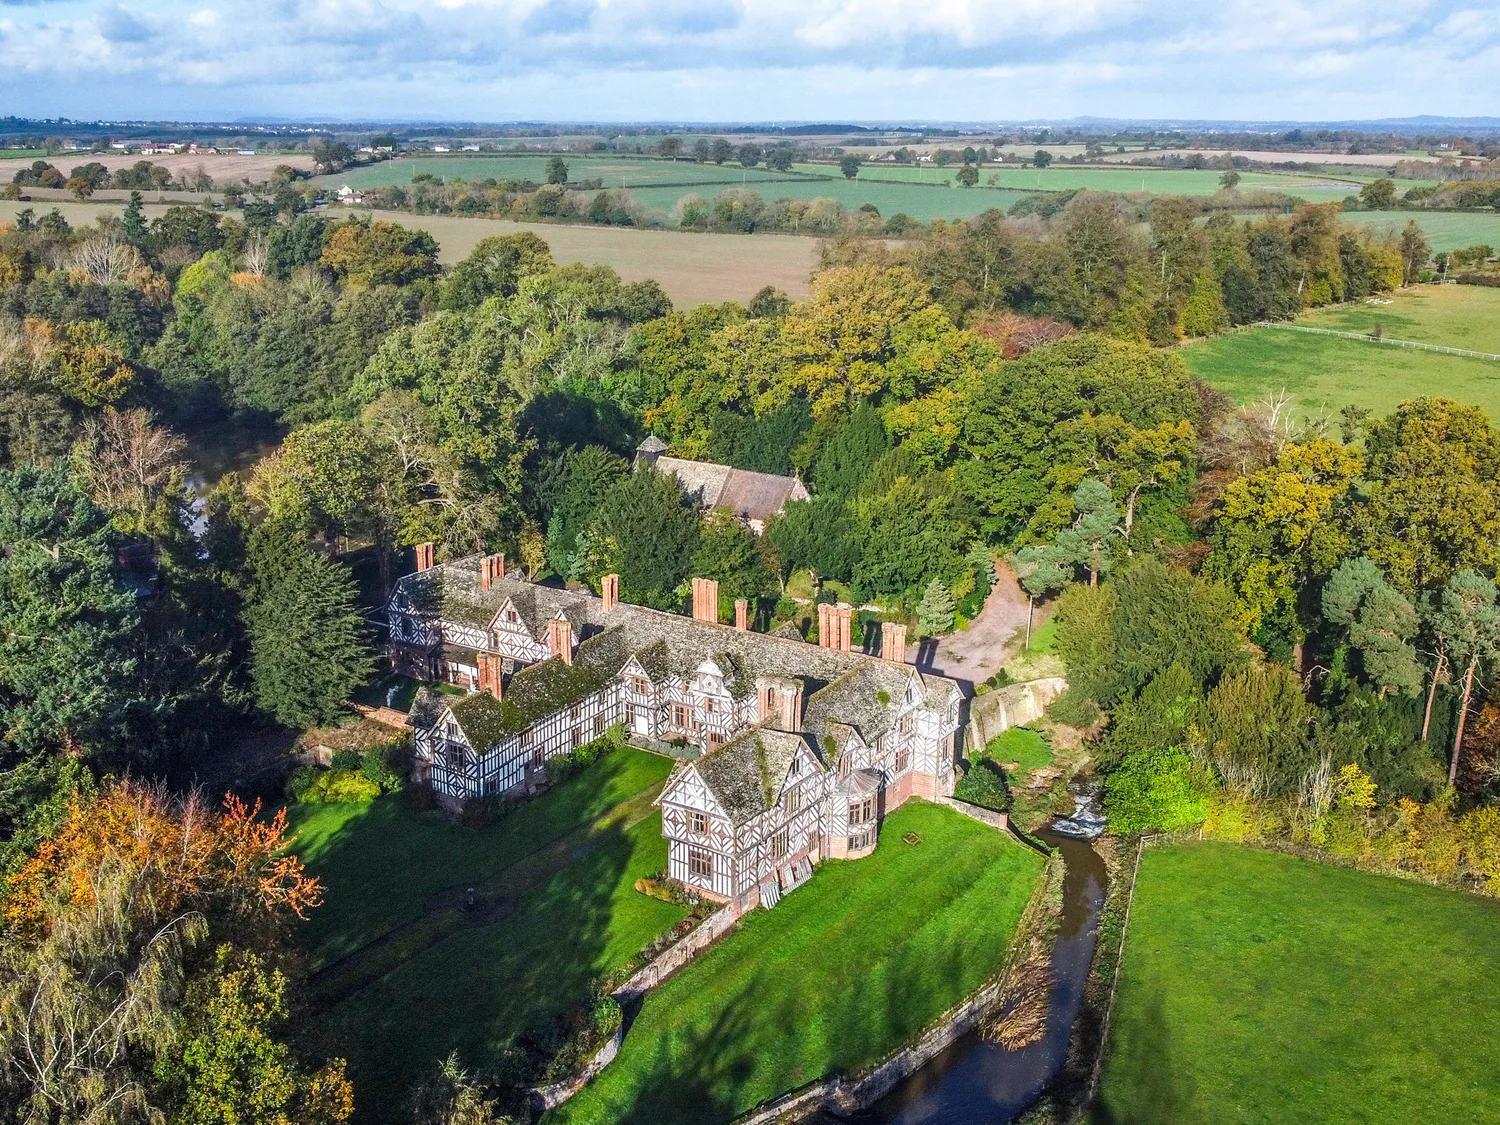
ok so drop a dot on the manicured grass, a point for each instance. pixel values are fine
(478, 989)
(1262, 988)
(841, 972)
(1455, 316)
(1322, 374)
(1023, 745)
(380, 863)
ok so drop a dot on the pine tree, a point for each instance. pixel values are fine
(308, 644)
(935, 610)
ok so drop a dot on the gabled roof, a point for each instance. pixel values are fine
(750, 496)
(746, 773)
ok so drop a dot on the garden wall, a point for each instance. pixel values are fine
(1015, 705)
(643, 980)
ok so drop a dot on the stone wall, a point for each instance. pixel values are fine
(996, 820)
(544, 1098)
(1014, 705)
(712, 928)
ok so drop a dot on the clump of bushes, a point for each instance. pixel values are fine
(356, 777)
(670, 890)
(984, 785)
(574, 762)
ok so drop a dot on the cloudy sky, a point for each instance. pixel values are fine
(725, 60)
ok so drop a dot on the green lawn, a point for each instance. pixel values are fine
(1325, 373)
(380, 863)
(1023, 745)
(840, 973)
(1260, 988)
(479, 988)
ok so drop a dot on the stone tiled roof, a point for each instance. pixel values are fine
(751, 496)
(838, 687)
(745, 774)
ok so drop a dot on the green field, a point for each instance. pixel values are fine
(1024, 746)
(615, 171)
(1445, 230)
(841, 972)
(1322, 374)
(1259, 988)
(922, 203)
(1164, 181)
(420, 975)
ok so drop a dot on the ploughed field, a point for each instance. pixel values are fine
(1322, 374)
(844, 970)
(1257, 987)
(405, 970)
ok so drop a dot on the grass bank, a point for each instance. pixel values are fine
(1258, 987)
(839, 974)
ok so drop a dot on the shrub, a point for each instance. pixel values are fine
(984, 785)
(329, 787)
(1157, 789)
(564, 766)
(346, 760)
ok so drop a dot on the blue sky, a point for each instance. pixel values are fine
(725, 60)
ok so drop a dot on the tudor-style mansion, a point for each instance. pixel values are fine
(802, 748)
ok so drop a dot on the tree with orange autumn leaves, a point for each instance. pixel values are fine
(143, 969)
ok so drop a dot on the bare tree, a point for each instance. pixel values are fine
(129, 463)
(256, 258)
(105, 258)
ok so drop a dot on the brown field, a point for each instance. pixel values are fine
(228, 168)
(692, 268)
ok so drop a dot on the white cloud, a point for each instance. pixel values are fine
(749, 59)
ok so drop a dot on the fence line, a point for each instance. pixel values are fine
(1376, 339)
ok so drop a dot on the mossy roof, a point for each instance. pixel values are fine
(745, 774)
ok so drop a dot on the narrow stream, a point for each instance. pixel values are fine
(975, 1082)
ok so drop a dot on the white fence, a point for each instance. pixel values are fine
(1377, 339)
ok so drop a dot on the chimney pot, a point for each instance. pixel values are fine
(425, 553)
(609, 591)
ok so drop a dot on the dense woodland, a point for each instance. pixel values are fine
(1276, 629)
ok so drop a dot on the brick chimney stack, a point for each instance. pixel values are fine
(706, 600)
(843, 615)
(609, 591)
(491, 567)
(823, 630)
(893, 642)
(490, 673)
(741, 613)
(425, 556)
(560, 639)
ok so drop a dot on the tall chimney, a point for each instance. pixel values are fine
(791, 706)
(823, 638)
(425, 553)
(609, 591)
(742, 613)
(490, 668)
(560, 639)
(842, 618)
(893, 641)
(491, 567)
(706, 600)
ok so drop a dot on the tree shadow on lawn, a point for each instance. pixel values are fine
(769, 1039)
(1140, 1085)
(485, 989)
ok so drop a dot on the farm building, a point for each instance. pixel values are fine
(801, 749)
(753, 497)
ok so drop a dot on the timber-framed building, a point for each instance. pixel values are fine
(801, 749)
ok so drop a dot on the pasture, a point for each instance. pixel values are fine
(922, 203)
(1258, 987)
(405, 971)
(839, 974)
(615, 171)
(1445, 230)
(1155, 181)
(1322, 374)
